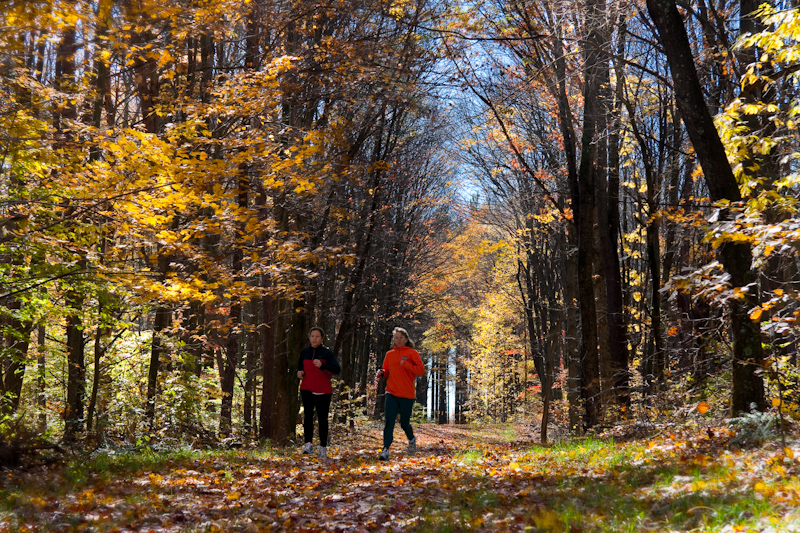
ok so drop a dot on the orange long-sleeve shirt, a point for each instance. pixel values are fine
(401, 366)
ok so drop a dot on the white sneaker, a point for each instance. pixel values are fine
(384, 456)
(323, 452)
(412, 446)
(308, 448)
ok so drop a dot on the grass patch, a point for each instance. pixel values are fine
(468, 457)
(462, 479)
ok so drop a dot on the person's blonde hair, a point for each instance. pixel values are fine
(409, 342)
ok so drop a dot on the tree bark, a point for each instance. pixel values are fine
(267, 414)
(610, 225)
(584, 205)
(76, 368)
(162, 320)
(747, 382)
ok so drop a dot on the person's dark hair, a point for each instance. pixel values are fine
(409, 342)
(321, 331)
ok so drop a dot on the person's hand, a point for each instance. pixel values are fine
(300, 374)
(380, 374)
(317, 363)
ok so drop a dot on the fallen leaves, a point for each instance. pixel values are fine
(462, 479)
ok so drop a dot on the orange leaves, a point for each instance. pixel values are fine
(461, 479)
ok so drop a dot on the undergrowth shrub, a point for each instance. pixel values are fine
(754, 428)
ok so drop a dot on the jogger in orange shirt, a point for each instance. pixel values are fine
(401, 366)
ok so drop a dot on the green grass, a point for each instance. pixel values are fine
(468, 456)
(463, 484)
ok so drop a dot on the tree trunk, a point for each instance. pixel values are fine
(251, 369)
(230, 361)
(76, 365)
(41, 379)
(157, 350)
(584, 205)
(267, 415)
(461, 397)
(747, 382)
(16, 339)
(103, 332)
(610, 226)
(443, 417)
(571, 345)
(76, 368)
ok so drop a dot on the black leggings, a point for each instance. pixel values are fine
(393, 406)
(322, 403)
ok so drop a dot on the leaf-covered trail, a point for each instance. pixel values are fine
(491, 479)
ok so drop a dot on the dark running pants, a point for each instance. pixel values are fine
(322, 404)
(393, 406)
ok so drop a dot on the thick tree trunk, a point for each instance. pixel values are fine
(570, 277)
(76, 369)
(76, 365)
(16, 343)
(585, 216)
(601, 305)
(267, 414)
(289, 340)
(747, 382)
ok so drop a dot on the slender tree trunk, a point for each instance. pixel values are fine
(41, 377)
(230, 361)
(443, 409)
(423, 383)
(610, 225)
(461, 396)
(102, 333)
(157, 352)
(102, 87)
(251, 369)
(384, 337)
(654, 267)
(571, 344)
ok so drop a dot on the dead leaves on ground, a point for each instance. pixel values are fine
(462, 479)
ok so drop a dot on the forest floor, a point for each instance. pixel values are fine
(476, 478)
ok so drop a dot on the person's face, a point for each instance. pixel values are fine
(316, 338)
(399, 339)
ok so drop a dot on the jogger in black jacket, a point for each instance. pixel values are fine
(315, 367)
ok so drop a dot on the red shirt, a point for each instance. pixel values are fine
(315, 379)
(401, 366)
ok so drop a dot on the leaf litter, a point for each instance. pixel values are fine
(461, 479)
